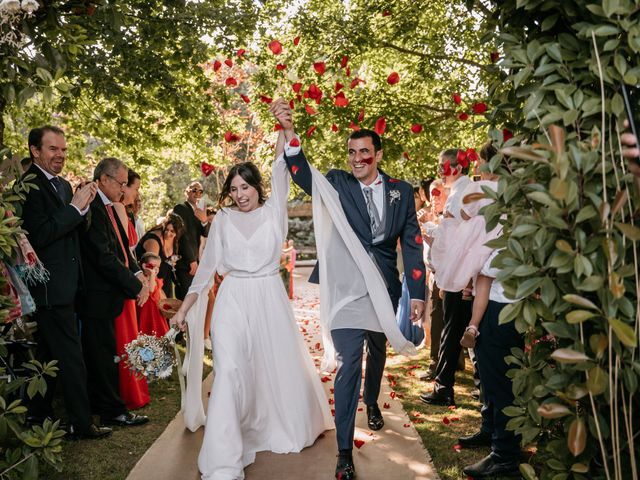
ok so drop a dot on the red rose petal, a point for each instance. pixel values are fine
(334, 127)
(457, 447)
(296, 41)
(275, 46)
(296, 87)
(446, 420)
(265, 99)
(355, 82)
(319, 67)
(280, 67)
(310, 131)
(228, 62)
(506, 135)
(166, 306)
(241, 52)
(310, 110)
(381, 126)
(347, 71)
(294, 169)
(343, 61)
(457, 99)
(291, 104)
(392, 394)
(386, 13)
(495, 56)
(416, 128)
(338, 86)
(386, 405)
(277, 127)
(361, 115)
(333, 412)
(358, 443)
(245, 99)
(393, 78)
(331, 401)
(393, 180)
(416, 274)
(463, 116)
(231, 82)
(361, 409)
(406, 425)
(354, 127)
(418, 239)
(294, 142)
(325, 379)
(216, 65)
(472, 155)
(206, 168)
(340, 100)
(479, 108)
(229, 136)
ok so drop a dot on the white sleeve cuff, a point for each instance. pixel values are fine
(81, 212)
(291, 151)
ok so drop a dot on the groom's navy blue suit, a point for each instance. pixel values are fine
(400, 224)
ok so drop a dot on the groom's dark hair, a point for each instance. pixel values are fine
(364, 133)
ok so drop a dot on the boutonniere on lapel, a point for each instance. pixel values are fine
(394, 196)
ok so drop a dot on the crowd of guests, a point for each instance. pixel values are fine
(106, 279)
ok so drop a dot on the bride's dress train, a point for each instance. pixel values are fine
(266, 393)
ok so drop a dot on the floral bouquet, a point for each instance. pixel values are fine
(149, 356)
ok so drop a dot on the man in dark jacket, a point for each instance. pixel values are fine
(53, 216)
(196, 225)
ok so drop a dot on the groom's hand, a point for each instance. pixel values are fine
(282, 112)
(417, 309)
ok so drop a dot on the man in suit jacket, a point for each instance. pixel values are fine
(111, 275)
(381, 211)
(52, 216)
(196, 225)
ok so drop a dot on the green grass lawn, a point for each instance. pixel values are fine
(439, 435)
(113, 458)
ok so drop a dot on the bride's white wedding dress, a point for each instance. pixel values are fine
(266, 393)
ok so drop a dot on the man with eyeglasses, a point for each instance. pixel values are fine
(196, 225)
(111, 275)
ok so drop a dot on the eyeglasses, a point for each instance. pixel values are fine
(196, 190)
(123, 184)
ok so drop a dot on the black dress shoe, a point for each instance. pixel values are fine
(92, 433)
(126, 420)
(478, 439)
(434, 398)
(345, 469)
(374, 417)
(490, 467)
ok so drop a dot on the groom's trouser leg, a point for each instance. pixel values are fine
(376, 359)
(348, 343)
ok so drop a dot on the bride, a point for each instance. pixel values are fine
(266, 393)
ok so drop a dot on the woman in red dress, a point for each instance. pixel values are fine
(133, 391)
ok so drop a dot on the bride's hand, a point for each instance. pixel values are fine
(179, 320)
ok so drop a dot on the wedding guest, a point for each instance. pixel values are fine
(111, 276)
(266, 394)
(438, 194)
(53, 218)
(493, 344)
(196, 225)
(163, 240)
(380, 210)
(456, 303)
(134, 212)
(151, 320)
(133, 390)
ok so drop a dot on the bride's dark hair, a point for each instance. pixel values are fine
(250, 174)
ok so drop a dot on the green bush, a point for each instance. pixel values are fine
(570, 238)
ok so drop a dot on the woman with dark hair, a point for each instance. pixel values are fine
(163, 240)
(266, 394)
(123, 207)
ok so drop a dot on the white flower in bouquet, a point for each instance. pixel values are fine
(150, 356)
(30, 6)
(9, 6)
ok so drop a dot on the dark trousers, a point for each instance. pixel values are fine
(58, 339)
(437, 320)
(457, 313)
(99, 342)
(183, 282)
(349, 344)
(493, 344)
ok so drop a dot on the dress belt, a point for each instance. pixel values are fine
(239, 274)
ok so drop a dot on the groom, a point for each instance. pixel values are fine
(381, 211)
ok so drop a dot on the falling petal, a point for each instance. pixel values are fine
(311, 130)
(416, 274)
(358, 443)
(479, 108)
(231, 82)
(463, 116)
(340, 100)
(457, 99)
(393, 78)
(245, 99)
(296, 41)
(206, 168)
(381, 126)
(276, 47)
(319, 67)
(310, 110)
(416, 128)
(216, 65)
(228, 62)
